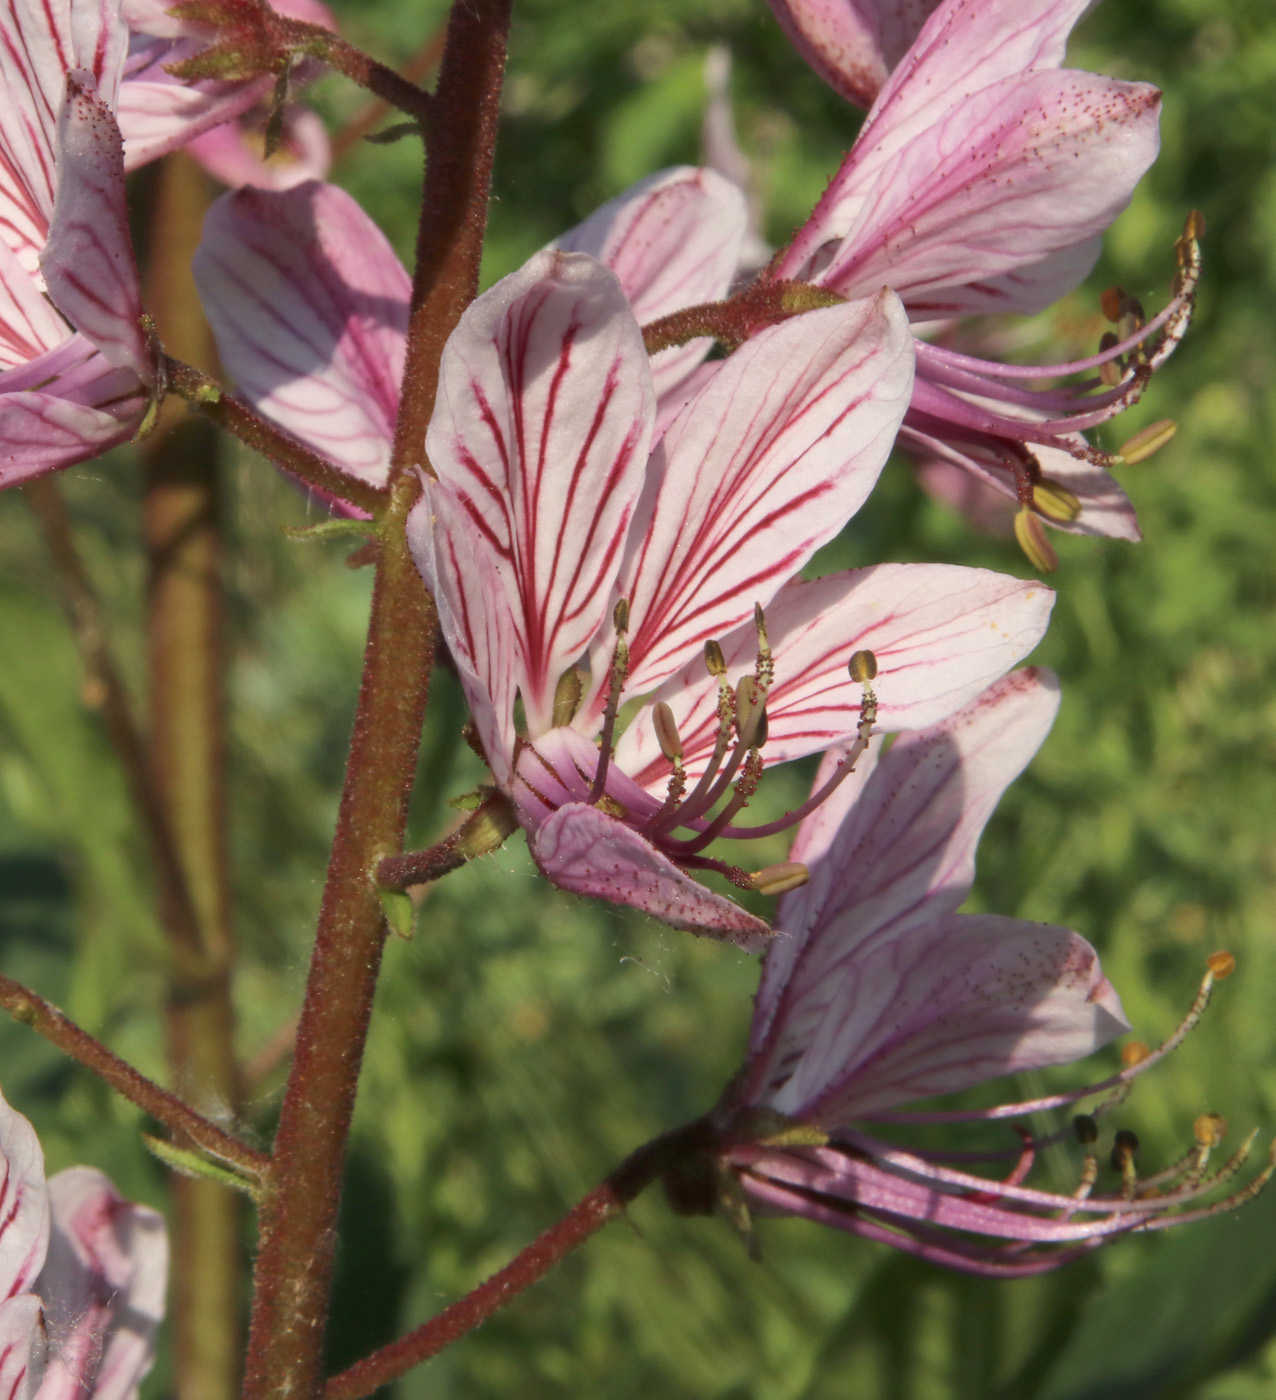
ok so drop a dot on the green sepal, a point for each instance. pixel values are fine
(192, 1162)
(333, 530)
(399, 912)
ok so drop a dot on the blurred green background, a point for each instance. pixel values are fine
(523, 1042)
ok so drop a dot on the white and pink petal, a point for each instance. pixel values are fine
(943, 1007)
(893, 847)
(309, 305)
(854, 45)
(673, 240)
(769, 462)
(1028, 169)
(463, 573)
(541, 429)
(103, 1286)
(583, 850)
(941, 633)
(88, 263)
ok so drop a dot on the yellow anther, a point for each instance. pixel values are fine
(714, 660)
(1055, 501)
(759, 622)
(1221, 964)
(1209, 1129)
(1147, 441)
(1031, 534)
(780, 879)
(1134, 1053)
(566, 696)
(1194, 226)
(667, 732)
(862, 666)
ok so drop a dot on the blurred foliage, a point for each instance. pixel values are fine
(524, 1043)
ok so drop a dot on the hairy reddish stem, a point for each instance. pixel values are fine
(423, 62)
(359, 67)
(484, 830)
(732, 322)
(458, 177)
(605, 1202)
(299, 1213)
(204, 393)
(23, 1005)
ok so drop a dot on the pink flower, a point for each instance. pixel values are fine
(76, 371)
(980, 182)
(82, 1275)
(309, 302)
(578, 564)
(877, 992)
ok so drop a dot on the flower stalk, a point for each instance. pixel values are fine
(298, 1220)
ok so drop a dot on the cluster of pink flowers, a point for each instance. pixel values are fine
(615, 538)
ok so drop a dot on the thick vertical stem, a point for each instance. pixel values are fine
(299, 1215)
(187, 750)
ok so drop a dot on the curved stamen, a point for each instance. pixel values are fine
(616, 685)
(863, 668)
(1220, 965)
(694, 805)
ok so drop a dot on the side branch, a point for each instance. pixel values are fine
(166, 1108)
(360, 68)
(605, 1202)
(232, 414)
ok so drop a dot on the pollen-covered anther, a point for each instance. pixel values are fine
(1147, 441)
(862, 666)
(1134, 1053)
(1031, 535)
(1055, 502)
(781, 878)
(750, 712)
(567, 695)
(1221, 964)
(1209, 1129)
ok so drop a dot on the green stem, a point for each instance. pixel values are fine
(298, 1222)
(182, 515)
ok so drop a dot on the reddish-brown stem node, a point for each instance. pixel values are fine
(732, 322)
(32, 1010)
(277, 446)
(398, 91)
(422, 63)
(484, 830)
(605, 1202)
